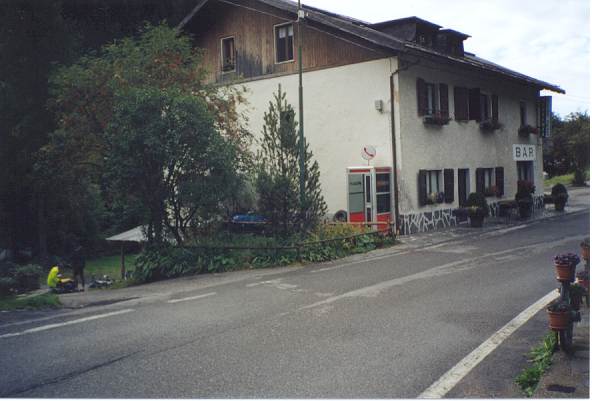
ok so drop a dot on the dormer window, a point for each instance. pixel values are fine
(284, 43)
(424, 39)
(228, 55)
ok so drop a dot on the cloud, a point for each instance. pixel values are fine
(545, 39)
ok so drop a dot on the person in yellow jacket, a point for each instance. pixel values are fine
(53, 279)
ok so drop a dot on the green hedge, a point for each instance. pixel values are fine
(215, 255)
(16, 279)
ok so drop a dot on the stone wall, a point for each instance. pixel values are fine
(438, 219)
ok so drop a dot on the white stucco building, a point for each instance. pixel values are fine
(442, 121)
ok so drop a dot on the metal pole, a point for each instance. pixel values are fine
(301, 110)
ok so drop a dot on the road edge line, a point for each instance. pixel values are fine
(68, 323)
(453, 376)
(174, 301)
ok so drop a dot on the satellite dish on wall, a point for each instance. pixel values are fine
(368, 152)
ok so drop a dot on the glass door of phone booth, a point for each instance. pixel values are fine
(369, 194)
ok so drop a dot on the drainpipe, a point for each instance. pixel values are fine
(394, 140)
(394, 137)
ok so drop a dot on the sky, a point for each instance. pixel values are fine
(545, 39)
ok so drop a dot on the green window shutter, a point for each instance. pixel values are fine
(444, 100)
(461, 104)
(495, 108)
(422, 188)
(499, 181)
(422, 97)
(480, 180)
(449, 185)
(475, 104)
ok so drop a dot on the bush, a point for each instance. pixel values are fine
(7, 285)
(558, 189)
(209, 255)
(165, 261)
(524, 193)
(15, 278)
(559, 194)
(28, 277)
(478, 200)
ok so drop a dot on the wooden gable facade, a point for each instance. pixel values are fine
(252, 26)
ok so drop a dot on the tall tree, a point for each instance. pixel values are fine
(279, 172)
(104, 103)
(33, 36)
(568, 148)
(577, 131)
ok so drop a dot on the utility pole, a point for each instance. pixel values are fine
(301, 109)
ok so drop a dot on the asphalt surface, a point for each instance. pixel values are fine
(382, 325)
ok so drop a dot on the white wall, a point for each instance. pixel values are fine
(461, 145)
(339, 118)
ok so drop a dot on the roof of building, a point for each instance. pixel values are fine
(456, 33)
(401, 21)
(368, 32)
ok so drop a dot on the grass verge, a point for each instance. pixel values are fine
(566, 179)
(41, 301)
(108, 265)
(540, 359)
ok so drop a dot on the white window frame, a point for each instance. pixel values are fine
(436, 99)
(275, 54)
(222, 54)
(430, 175)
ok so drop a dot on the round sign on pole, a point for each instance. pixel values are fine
(368, 152)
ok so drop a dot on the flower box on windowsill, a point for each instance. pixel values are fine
(436, 119)
(435, 198)
(491, 191)
(489, 125)
(526, 130)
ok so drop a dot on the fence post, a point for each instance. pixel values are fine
(122, 261)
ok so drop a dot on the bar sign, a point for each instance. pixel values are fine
(524, 153)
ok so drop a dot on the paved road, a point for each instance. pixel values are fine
(384, 325)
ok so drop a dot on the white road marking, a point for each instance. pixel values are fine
(451, 378)
(448, 268)
(71, 322)
(174, 301)
(371, 259)
(41, 319)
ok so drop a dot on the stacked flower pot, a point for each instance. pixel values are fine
(563, 311)
(583, 277)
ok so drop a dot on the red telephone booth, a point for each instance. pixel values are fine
(369, 194)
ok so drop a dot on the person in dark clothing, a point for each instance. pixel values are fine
(78, 265)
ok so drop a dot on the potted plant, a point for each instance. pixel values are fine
(585, 247)
(584, 279)
(489, 125)
(565, 266)
(559, 315)
(560, 196)
(576, 292)
(477, 209)
(524, 198)
(435, 197)
(526, 130)
(436, 119)
(491, 191)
